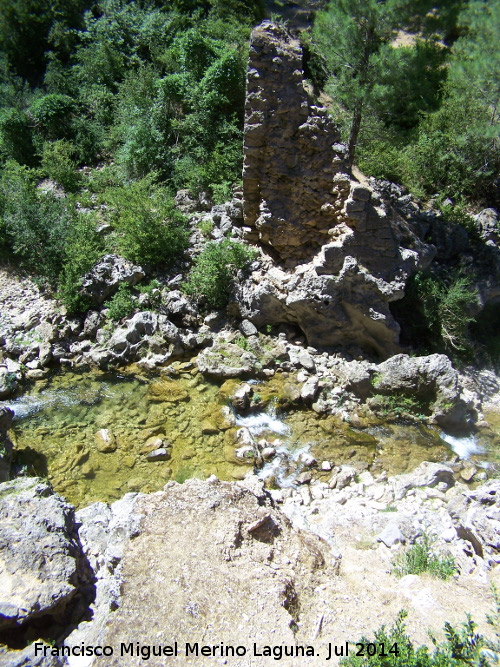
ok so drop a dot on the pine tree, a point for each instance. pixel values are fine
(475, 68)
(356, 37)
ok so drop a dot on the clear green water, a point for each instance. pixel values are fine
(57, 421)
(56, 437)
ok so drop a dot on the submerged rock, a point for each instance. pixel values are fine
(105, 441)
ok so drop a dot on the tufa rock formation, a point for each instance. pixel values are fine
(291, 157)
(343, 257)
(44, 577)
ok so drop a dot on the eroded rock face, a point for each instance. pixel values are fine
(343, 256)
(145, 331)
(108, 275)
(290, 157)
(40, 556)
(351, 308)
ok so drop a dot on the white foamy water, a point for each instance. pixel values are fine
(25, 406)
(464, 446)
(261, 422)
(29, 405)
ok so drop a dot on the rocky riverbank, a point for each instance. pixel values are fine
(244, 562)
(306, 567)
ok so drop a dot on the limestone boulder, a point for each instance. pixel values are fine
(226, 360)
(487, 225)
(425, 475)
(179, 309)
(105, 278)
(29, 657)
(40, 555)
(476, 518)
(431, 379)
(145, 331)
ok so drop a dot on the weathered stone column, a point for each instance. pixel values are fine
(291, 150)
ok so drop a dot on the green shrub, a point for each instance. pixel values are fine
(120, 304)
(214, 269)
(420, 558)
(393, 648)
(16, 136)
(206, 227)
(37, 224)
(434, 313)
(58, 164)
(449, 155)
(52, 114)
(153, 291)
(459, 215)
(150, 229)
(84, 247)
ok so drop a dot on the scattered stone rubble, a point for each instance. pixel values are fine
(252, 557)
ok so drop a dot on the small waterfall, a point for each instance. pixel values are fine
(30, 404)
(263, 422)
(465, 446)
(285, 465)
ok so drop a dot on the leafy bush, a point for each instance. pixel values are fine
(58, 164)
(51, 114)
(445, 307)
(36, 224)
(151, 230)
(16, 138)
(84, 247)
(121, 304)
(458, 215)
(213, 270)
(393, 648)
(434, 313)
(153, 292)
(206, 226)
(420, 558)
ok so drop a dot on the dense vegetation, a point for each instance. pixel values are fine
(416, 87)
(416, 91)
(147, 95)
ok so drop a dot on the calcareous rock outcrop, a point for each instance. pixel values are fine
(108, 274)
(341, 256)
(42, 567)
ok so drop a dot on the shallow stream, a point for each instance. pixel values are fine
(58, 422)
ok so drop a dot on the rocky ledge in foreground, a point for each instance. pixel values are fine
(45, 580)
(216, 563)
